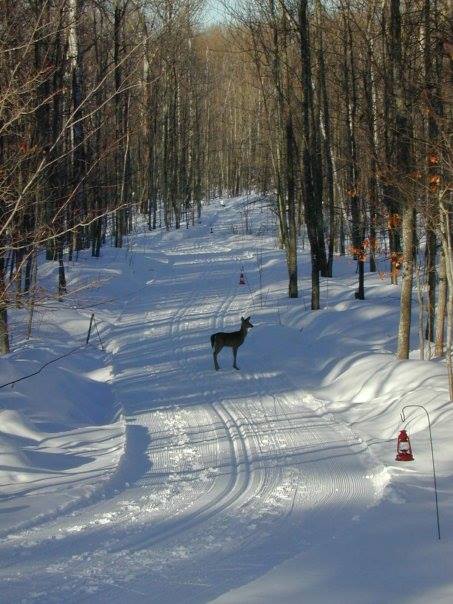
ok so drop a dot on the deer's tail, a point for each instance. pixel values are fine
(213, 340)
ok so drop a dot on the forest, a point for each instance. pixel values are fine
(338, 113)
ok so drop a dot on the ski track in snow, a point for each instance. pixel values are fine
(225, 473)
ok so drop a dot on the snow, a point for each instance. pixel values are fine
(138, 473)
(61, 437)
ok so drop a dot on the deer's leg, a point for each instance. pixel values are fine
(235, 351)
(216, 351)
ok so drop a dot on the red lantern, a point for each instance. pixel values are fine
(403, 447)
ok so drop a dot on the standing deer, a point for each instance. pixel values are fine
(233, 339)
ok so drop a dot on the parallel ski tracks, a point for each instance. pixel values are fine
(247, 480)
(240, 463)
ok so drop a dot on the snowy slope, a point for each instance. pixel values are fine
(61, 432)
(285, 465)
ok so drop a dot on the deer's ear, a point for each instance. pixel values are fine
(248, 318)
(242, 319)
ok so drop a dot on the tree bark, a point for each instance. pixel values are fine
(326, 131)
(441, 308)
(403, 163)
(312, 179)
(292, 224)
(407, 283)
(4, 337)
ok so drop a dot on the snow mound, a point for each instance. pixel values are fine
(61, 432)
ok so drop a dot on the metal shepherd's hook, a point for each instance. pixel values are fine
(403, 418)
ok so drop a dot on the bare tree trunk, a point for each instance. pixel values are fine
(120, 154)
(446, 227)
(327, 140)
(33, 281)
(292, 224)
(430, 256)
(421, 313)
(4, 337)
(441, 308)
(373, 184)
(312, 181)
(434, 111)
(350, 99)
(389, 188)
(403, 160)
(407, 283)
(78, 155)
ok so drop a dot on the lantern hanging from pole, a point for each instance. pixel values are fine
(403, 448)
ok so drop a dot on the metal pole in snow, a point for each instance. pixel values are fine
(432, 458)
(89, 329)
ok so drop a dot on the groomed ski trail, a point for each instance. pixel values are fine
(225, 473)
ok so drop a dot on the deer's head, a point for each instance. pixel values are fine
(245, 323)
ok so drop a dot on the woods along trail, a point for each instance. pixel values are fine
(225, 474)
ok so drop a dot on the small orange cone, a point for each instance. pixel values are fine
(241, 279)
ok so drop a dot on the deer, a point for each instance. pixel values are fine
(233, 339)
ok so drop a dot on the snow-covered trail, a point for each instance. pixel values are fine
(225, 473)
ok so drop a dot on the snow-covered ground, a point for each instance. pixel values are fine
(140, 474)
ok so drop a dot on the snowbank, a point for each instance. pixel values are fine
(344, 366)
(62, 433)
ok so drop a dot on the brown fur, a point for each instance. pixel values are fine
(233, 339)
